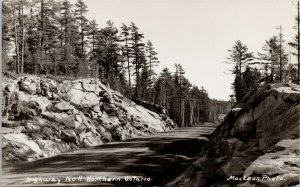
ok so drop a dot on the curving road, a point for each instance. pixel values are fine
(143, 161)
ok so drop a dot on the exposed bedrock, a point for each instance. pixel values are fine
(256, 145)
(42, 117)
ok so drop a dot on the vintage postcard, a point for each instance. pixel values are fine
(175, 93)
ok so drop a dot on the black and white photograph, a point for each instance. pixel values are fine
(150, 93)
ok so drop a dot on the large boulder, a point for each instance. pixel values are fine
(82, 99)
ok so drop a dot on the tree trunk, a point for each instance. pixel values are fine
(182, 115)
(61, 39)
(23, 38)
(298, 46)
(16, 38)
(128, 66)
(82, 36)
(137, 78)
(150, 64)
(191, 112)
(41, 34)
(280, 54)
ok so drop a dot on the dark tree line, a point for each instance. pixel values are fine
(55, 38)
(218, 109)
(185, 103)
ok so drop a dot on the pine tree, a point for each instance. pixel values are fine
(283, 57)
(270, 57)
(69, 38)
(137, 53)
(296, 42)
(292, 73)
(182, 86)
(110, 53)
(165, 91)
(146, 82)
(22, 38)
(16, 37)
(32, 43)
(93, 37)
(198, 105)
(238, 85)
(273, 58)
(152, 58)
(250, 80)
(6, 37)
(125, 34)
(240, 57)
(80, 11)
(47, 34)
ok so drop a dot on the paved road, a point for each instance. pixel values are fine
(143, 161)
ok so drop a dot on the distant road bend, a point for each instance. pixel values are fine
(150, 160)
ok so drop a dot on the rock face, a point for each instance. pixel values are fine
(256, 145)
(41, 117)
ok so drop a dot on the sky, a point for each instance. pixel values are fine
(198, 33)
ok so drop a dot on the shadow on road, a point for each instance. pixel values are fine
(160, 157)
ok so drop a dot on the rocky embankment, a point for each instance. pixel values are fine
(256, 145)
(42, 117)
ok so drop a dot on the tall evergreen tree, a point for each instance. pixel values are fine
(251, 78)
(240, 57)
(69, 38)
(127, 51)
(146, 84)
(283, 56)
(269, 58)
(182, 86)
(137, 53)
(17, 64)
(296, 42)
(6, 37)
(110, 55)
(152, 58)
(80, 11)
(93, 37)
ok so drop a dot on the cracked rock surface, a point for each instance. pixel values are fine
(42, 117)
(256, 145)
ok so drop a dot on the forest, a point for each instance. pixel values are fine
(56, 39)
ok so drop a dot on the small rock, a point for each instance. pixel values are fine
(28, 85)
(63, 106)
(109, 108)
(69, 136)
(19, 129)
(30, 127)
(6, 130)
